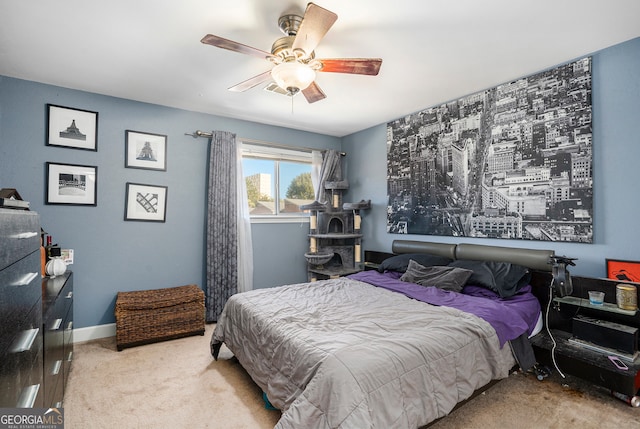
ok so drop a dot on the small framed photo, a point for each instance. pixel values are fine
(145, 150)
(71, 184)
(147, 203)
(67, 256)
(628, 271)
(72, 128)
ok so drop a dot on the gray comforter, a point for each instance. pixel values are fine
(345, 354)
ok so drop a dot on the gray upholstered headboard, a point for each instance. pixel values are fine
(440, 249)
(531, 258)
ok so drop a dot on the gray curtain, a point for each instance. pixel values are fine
(330, 170)
(222, 231)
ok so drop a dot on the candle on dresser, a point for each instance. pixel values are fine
(43, 261)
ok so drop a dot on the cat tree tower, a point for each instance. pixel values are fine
(335, 238)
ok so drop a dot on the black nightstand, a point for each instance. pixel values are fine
(583, 360)
(373, 259)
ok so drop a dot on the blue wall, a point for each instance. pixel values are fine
(112, 255)
(616, 171)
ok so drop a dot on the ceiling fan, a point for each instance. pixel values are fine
(293, 56)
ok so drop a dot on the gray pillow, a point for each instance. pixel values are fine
(447, 278)
(503, 278)
(400, 262)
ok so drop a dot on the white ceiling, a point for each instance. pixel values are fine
(432, 50)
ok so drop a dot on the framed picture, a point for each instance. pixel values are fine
(71, 184)
(72, 128)
(145, 150)
(623, 270)
(146, 203)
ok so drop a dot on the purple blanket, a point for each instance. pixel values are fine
(510, 317)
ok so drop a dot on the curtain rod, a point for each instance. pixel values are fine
(199, 133)
(206, 134)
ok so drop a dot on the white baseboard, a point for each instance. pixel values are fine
(94, 332)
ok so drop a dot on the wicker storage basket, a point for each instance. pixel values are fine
(149, 316)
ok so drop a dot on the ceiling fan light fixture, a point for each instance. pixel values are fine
(293, 76)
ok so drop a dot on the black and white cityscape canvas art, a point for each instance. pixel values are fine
(511, 162)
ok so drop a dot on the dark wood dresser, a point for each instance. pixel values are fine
(21, 341)
(57, 318)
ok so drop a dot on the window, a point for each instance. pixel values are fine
(278, 181)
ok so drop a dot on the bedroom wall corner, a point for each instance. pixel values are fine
(616, 149)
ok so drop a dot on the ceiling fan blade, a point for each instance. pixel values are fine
(369, 66)
(313, 93)
(315, 24)
(223, 43)
(250, 83)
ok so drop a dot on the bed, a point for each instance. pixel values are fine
(388, 348)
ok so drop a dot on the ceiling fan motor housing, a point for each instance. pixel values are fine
(283, 52)
(289, 24)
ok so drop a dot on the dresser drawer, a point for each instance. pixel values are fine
(53, 358)
(54, 332)
(19, 235)
(20, 288)
(56, 292)
(21, 382)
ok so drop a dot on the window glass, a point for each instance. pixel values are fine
(259, 175)
(296, 188)
(278, 180)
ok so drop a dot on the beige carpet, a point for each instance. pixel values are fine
(176, 384)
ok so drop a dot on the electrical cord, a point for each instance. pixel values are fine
(553, 340)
